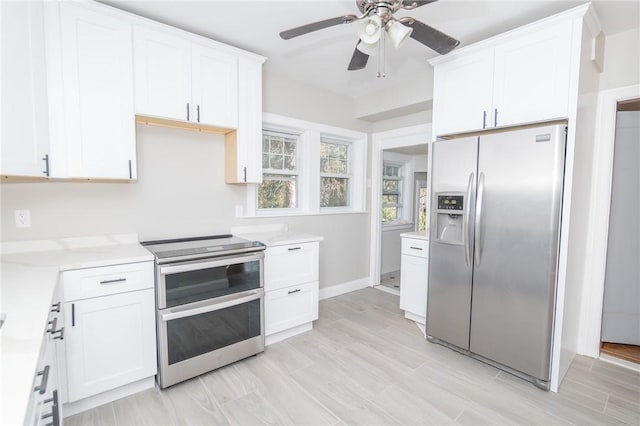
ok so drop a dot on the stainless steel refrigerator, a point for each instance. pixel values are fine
(494, 232)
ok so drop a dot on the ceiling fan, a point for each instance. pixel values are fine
(376, 17)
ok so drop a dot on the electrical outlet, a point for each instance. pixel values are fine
(23, 218)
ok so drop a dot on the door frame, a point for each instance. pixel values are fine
(406, 136)
(600, 208)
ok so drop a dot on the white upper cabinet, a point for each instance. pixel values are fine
(516, 78)
(214, 86)
(25, 133)
(162, 74)
(532, 76)
(92, 86)
(178, 79)
(464, 92)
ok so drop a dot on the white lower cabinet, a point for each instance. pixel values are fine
(291, 306)
(291, 289)
(413, 279)
(110, 337)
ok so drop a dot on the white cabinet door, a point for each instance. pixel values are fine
(290, 307)
(462, 93)
(110, 342)
(162, 74)
(249, 133)
(97, 73)
(532, 76)
(25, 137)
(290, 264)
(214, 87)
(413, 285)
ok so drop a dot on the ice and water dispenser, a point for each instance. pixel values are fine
(450, 217)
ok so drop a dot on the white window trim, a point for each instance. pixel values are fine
(309, 169)
(347, 175)
(406, 212)
(298, 173)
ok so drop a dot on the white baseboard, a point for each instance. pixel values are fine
(338, 289)
(71, 408)
(275, 338)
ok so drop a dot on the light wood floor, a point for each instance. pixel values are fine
(629, 353)
(363, 363)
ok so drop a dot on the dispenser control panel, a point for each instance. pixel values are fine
(450, 202)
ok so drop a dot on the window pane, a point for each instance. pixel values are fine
(333, 158)
(290, 147)
(422, 220)
(390, 199)
(276, 145)
(334, 192)
(265, 161)
(277, 192)
(391, 171)
(389, 214)
(276, 161)
(265, 143)
(390, 186)
(289, 162)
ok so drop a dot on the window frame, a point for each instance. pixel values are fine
(282, 172)
(401, 186)
(347, 175)
(310, 134)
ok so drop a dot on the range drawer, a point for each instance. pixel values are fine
(289, 307)
(289, 265)
(106, 280)
(415, 247)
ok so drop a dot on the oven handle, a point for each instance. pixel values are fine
(176, 313)
(194, 266)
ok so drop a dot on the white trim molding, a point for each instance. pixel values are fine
(348, 287)
(598, 229)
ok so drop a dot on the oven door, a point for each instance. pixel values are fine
(203, 336)
(193, 281)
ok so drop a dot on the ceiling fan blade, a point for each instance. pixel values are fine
(315, 26)
(409, 3)
(358, 60)
(432, 38)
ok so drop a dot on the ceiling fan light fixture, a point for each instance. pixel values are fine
(370, 49)
(398, 33)
(370, 29)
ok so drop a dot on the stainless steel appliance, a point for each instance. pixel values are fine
(210, 304)
(496, 203)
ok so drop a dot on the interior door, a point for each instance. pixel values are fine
(449, 295)
(517, 236)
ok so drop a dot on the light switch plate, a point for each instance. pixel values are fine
(23, 218)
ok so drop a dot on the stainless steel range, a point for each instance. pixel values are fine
(210, 304)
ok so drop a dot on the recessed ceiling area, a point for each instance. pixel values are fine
(319, 59)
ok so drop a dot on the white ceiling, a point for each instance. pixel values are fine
(320, 59)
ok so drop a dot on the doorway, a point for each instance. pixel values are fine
(620, 335)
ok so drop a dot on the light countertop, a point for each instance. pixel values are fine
(419, 235)
(274, 235)
(29, 274)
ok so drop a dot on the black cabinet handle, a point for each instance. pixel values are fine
(245, 174)
(45, 378)
(293, 291)
(73, 315)
(117, 280)
(130, 174)
(187, 111)
(56, 307)
(59, 336)
(294, 248)
(198, 113)
(484, 119)
(495, 117)
(46, 164)
(55, 410)
(53, 325)
(416, 248)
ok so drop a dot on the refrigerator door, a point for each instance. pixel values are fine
(451, 241)
(517, 237)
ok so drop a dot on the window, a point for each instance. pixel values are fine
(309, 168)
(392, 183)
(334, 173)
(279, 187)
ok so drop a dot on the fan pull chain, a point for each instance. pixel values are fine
(382, 59)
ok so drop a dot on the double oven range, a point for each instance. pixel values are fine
(210, 303)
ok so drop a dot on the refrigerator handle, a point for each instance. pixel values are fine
(478, 231)
(465, 224)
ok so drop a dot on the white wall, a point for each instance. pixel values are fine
(621, 60)
(181, 192)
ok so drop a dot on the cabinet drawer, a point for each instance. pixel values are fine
(415, 247)
(289, 265)
(289, 307)
(94, 282)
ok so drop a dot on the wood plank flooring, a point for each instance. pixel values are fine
(363, 363)
(629, 353)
